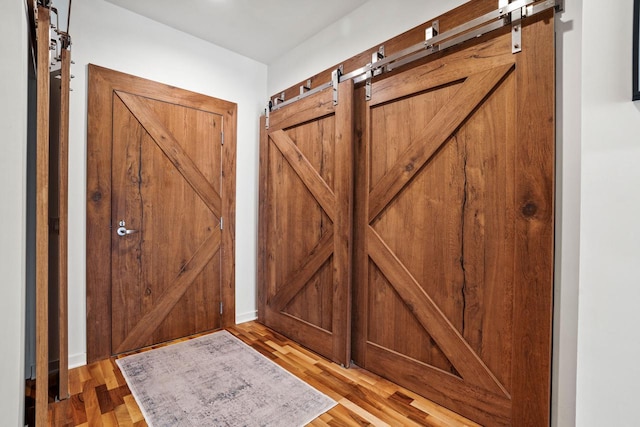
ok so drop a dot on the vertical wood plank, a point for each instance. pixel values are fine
(42, 218)
(533, 295)
(306, 221)
(361, 207)
(63, 203)
(98, 239)
(228, 268)
(343, 236)
(262, 218)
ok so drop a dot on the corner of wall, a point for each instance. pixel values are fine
(567, 235)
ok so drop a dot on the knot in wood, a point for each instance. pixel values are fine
(529, 209)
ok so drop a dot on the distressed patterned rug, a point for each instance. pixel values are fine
(217, 380)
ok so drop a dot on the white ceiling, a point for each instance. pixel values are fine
(259, 29)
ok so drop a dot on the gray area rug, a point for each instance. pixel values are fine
(217, 380)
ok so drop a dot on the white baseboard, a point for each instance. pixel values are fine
(76, 360)
(246, 317)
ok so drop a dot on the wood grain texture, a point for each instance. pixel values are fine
(360, 210)
(534, 204)
(309, 176)
(98, 240)
(470, 223)
(63, 221)
(305, 218)
(307, 109)
(42, 214)
(443, 226)
(165, 277)
(343, 240)
(450, 392)
(157, 99)
(263, 191)
(99, 392)
(151, 320)
(228, 239)
(449, 340)
(474, 89)
(302, 275)
(172, 149)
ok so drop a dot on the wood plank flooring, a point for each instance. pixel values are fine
(100, 396)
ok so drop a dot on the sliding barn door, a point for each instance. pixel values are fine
(306, 208)
(453, 291)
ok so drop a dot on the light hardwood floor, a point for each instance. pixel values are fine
(100, 396)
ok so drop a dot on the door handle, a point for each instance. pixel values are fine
(122, 230)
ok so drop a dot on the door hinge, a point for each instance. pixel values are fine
(222, 136)
(221, 223)
(221, 307)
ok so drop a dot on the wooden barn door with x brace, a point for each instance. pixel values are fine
(454, 271)
(307, 188)
(453, 225)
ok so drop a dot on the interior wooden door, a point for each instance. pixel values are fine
(161, 186)
(306, 218)
(165, 278)
(455, 213)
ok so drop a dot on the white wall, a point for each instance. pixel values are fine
(608, 339)
(13, 146)
(375, 22)
(109, 36)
